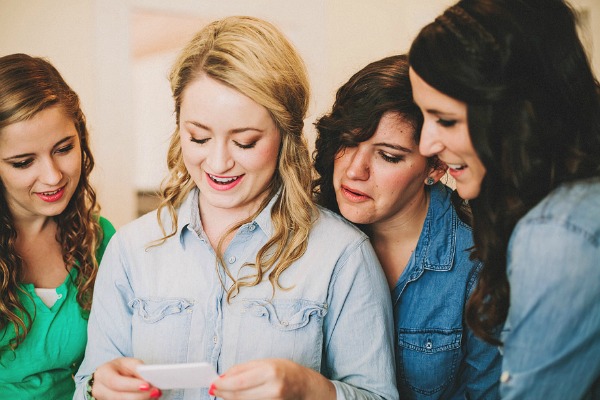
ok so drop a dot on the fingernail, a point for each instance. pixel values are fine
(220, 376)
(211, 390)
(144, 386)
(155, 393)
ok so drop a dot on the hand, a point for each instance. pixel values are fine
(119, 380)
(272, 379)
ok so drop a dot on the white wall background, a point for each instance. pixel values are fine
(116, 54)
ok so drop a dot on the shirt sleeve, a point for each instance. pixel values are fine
(361, 364)
(109, 325)
(552, 335)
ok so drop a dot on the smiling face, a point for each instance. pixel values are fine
(446, 134)
(230, 146)
(40, 164)
(382, 177)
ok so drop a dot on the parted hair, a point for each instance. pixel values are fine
(255, 58)
(29, 85)
(381, 86)
(533, 114)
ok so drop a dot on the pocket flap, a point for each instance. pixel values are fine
(430, 341)
(285, 314)
(154, 309)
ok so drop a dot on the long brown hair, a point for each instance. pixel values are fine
(252, 56)
(29, 85)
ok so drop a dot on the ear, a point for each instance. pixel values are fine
(436, 172)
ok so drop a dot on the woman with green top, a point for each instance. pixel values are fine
(51, 234)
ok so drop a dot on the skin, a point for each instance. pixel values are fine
(230, 146)
(381, 183)
(37, 157)
(446, 134)
(40, 167)
(381, 178)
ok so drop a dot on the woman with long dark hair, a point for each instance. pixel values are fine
(511, 105)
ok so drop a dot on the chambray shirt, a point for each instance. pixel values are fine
(165, 304)
(437, 355)
(552, 333)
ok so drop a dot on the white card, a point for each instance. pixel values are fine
(178, 376)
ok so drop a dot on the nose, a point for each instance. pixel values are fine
(51, 174)
(219, 159)
(359, 167)
(429, 143)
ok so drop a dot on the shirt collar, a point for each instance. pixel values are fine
(189, 216)
(437, 246)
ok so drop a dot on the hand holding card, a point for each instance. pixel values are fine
(179, 376)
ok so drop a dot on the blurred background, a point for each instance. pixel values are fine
(116, 55)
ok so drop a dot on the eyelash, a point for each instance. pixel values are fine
(22, 164)
(26, 163)
(390, 159)
(240, 145)
(446, 123)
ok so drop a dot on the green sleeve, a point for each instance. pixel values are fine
(108, 230)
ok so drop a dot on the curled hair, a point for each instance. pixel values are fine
(29, 85)
(253, 57)
(533, 116)
(380, 87)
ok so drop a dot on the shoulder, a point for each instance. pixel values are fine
(573, 207)
(329, 225)
(106, 226)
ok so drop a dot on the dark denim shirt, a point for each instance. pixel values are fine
(437, 355)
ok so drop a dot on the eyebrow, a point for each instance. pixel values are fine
(394, 146)
(66, 139)
(444, 113)
(233, 131)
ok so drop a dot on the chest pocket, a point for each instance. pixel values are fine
(428, 360)
(161, 329)
(290, 329)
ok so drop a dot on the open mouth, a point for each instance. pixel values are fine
(50, 193)
(457, 167)
(223, 181)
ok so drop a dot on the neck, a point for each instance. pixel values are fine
(395, 239)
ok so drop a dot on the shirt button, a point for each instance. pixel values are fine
(215, 340)
(505, 377)
(232, 259)
(429, 345)
(285, 323)
(59, 296)
(252, 227)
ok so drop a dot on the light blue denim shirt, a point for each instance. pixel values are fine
(552, 333)
(165, 304)
(437, 355)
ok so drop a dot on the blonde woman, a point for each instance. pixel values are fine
(238, 267)
(51, 235)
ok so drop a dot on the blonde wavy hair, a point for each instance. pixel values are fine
(28, 86)
(253, 57)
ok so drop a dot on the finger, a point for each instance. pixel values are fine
(102, 392)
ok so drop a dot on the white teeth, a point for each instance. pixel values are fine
(456, 166)
(222, 180)
(50, 193)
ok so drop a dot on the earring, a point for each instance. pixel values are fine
(429, 181)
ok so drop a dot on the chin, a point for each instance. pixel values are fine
(468, 192)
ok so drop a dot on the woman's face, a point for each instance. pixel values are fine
(40, 164)
(382, 177)
(230, 146)
(446, 134)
